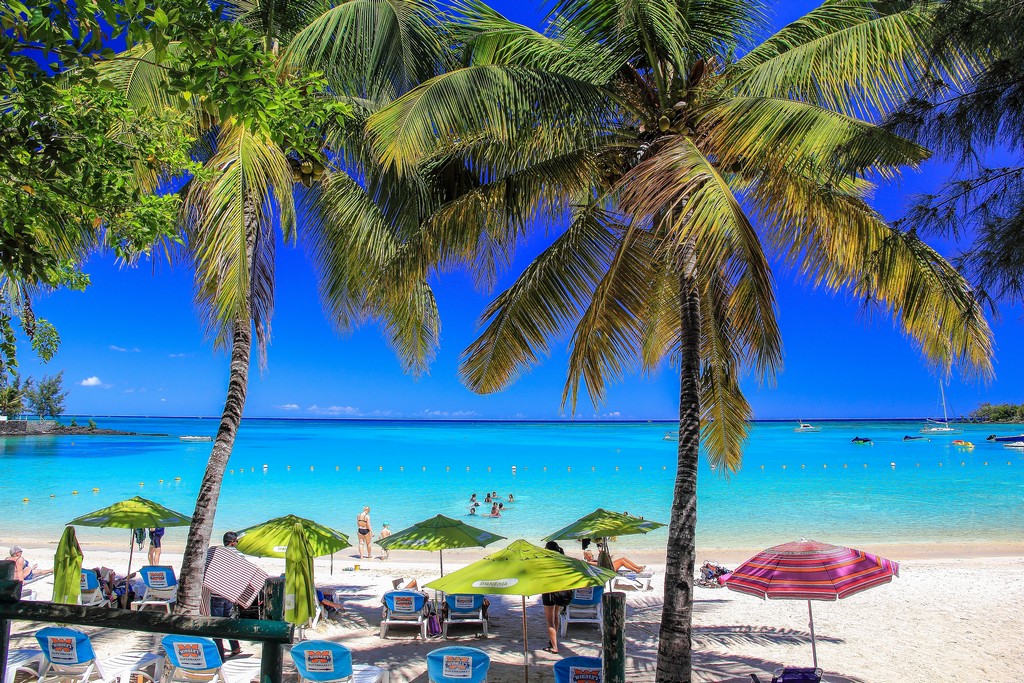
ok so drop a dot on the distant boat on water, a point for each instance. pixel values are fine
(1014, 444)
(194, 439)
(941, 426)
(1001, 439)
(806, 427)
(670, 436)
(915, 438)
(860, 440)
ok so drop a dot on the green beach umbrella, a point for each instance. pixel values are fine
(67, 569)
(134, 513)
(299, 588)
(439, 533)
(522, 569)
(273, 537)
(603, 523)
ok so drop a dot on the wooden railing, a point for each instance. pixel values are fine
(273, 634)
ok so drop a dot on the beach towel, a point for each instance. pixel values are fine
(229, 575)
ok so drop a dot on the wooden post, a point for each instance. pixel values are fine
(10, 591)
(273, 661)
(614, 660)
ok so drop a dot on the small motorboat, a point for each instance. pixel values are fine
(915, 438)
(806, 427)
(194, 439)
(1004, 439)
(860, 440)
(960, 443)
(670, 436)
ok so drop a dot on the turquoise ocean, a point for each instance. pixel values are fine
(792, 485)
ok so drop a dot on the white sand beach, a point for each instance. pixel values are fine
(943, 615)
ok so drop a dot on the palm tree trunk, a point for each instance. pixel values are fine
(190, 584)
(674, 644)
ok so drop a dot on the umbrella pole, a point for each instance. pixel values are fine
(128, 576)
(332, 564)
(526, 657)
(814, 648)
(440, 553)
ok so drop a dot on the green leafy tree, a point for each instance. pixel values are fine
(974, 120)
(670, 155)
(46, 397)
(280, 94)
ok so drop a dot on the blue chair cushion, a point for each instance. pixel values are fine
(591, 595)
(458, 665)
(578, 670)
(464, 603)
(798, 675)
(65, 646)
(404, 602)
(89, 580)
(158, 577)
(321, 661)
(192, 654)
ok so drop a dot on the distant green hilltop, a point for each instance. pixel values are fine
(998, 412)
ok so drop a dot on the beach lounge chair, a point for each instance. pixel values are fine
(457, 665)
(69, 656)
(635, 581)
(793, 675)
(578, 670)
(585, 608)
(161, 588)
(195, 660)
(321, 661)
(92, 594)
(406, 608)
(22, 660)
(465, 609)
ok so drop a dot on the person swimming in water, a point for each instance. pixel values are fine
(494, 511)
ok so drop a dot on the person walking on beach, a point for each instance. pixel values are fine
(385, 531)
(365, 532)
(551, 610)
(155, 536)
(222, 607)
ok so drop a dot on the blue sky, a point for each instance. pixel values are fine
(133, 345)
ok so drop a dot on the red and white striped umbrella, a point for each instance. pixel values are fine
(809, 570)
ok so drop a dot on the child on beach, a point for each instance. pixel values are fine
(385, 531)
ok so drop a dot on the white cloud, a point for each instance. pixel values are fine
(129, 391)
(92, 382)
(333, 410)
(464, 413)
(288, 406)
(177, 355)
(163, 399)
(121, 349)
(615, 414)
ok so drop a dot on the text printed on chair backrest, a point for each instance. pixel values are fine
(405, 603)
(62, 649)
(457, 666)
(585, 594)
(319, 661)
(584, 674)
(190, 656)
(465, 601)
(88, 580)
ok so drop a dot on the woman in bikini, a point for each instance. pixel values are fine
(365, 532)
(618, 563)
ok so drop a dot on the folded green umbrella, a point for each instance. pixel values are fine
(67, 569)
(439, 533)
(523, 569)
(299, 588)
(271, 538)
(134, 513)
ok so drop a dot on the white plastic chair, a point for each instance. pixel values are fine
(161, 588)
(465, 609)
(636, 581)
(197, 660)
(92, 593)
(22, 660)
(69, 656)
(585, 608)
(406, 608)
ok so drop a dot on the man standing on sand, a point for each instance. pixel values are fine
(365, 532)
(222, 607)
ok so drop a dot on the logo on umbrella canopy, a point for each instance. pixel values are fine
(495, 583)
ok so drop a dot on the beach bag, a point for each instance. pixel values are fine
(433, 625)
(561, 598)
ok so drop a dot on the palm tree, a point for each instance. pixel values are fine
(357, 217)
(667, 163)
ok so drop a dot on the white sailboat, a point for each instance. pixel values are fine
(943, 427)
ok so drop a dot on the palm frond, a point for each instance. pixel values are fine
(497, 102)
(840, 242)
(847, 55)
(540, 305)
(609, 334)
(229, 220)
(376, 49)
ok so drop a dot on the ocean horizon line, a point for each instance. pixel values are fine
(503, 420)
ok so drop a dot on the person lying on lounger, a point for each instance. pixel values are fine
(618, 563)
(23, 569)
